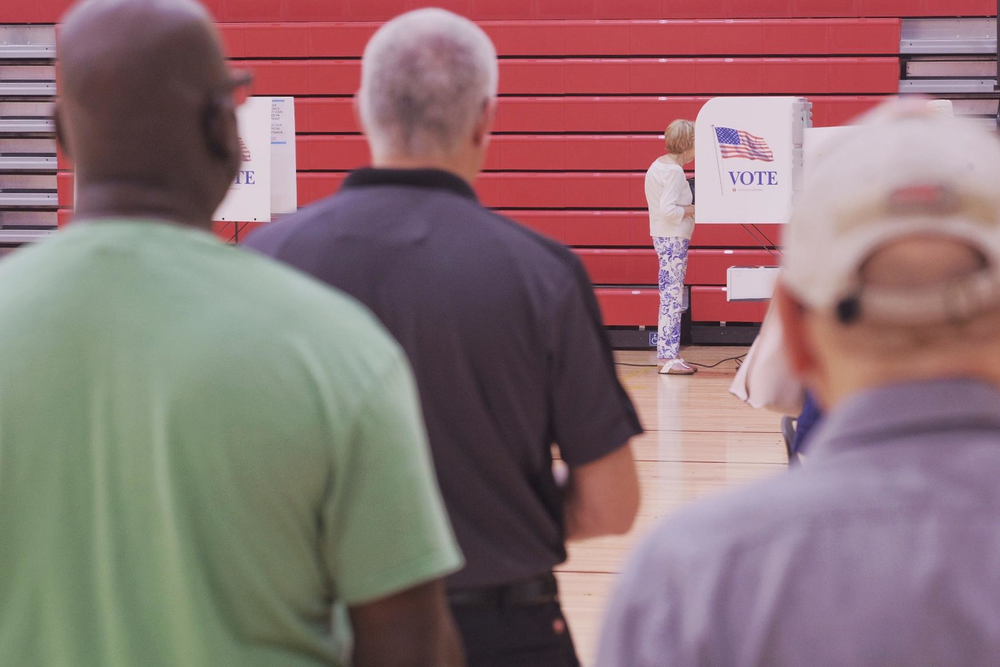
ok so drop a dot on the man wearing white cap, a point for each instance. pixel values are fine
(884, 549)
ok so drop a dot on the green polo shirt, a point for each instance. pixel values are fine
(201, 453)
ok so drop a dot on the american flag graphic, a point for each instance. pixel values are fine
(244, 152)
(737, 143)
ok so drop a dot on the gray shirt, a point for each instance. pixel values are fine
(883, 550)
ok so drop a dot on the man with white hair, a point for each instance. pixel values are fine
(883, 549)
(501, 327)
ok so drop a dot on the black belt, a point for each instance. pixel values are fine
(542, 589)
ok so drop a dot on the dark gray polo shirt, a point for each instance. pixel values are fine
(505, 338)
(883, 550)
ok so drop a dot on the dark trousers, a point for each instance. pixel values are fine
(533, 635)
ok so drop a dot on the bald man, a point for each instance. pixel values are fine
(881, 550)
(202, 454)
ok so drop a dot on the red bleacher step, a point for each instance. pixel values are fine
(631, 229)
(49, 11)
(525, 38)
(625, 307)
(641, 266)
(579, 114)
(596, 76)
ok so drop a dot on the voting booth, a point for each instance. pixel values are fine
(749, 158)
(749, 166)
(266, 185)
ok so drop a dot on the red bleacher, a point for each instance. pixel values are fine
(569, 163)
(615, 266)
(523, 152)
(589, 38)
(607, 76)
(587, 88)
(48, 11)
(578, 114)
(497, 190)
(576, 133)
(608, 229)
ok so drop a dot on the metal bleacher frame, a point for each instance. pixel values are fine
(28, 194)
(953, 59)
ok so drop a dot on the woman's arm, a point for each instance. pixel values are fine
(674, 184)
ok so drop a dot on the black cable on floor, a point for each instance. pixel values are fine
(738, 360)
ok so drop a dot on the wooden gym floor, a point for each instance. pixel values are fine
(699, 440)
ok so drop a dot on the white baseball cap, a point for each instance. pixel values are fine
(903, 171)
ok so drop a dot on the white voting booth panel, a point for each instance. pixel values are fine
(819, 141)
(284, 175)
(751, 283)
(749, 155)
(266, 185)
(748, 168)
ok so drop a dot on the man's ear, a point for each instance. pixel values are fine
(356, 108)
(484, 126)
(61, 138)
(221, 133)
(798, 347)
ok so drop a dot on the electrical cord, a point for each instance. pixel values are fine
(235, 238)
(769, 241)
(765, 243)
(738, 360)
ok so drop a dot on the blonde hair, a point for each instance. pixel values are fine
(680, 137)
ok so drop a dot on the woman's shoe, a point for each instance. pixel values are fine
(677, 367)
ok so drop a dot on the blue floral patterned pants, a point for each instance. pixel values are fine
(673, 253)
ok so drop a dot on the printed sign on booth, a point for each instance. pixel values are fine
(284, 183)
(267, 184)
(249, 198)
(749, 158)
